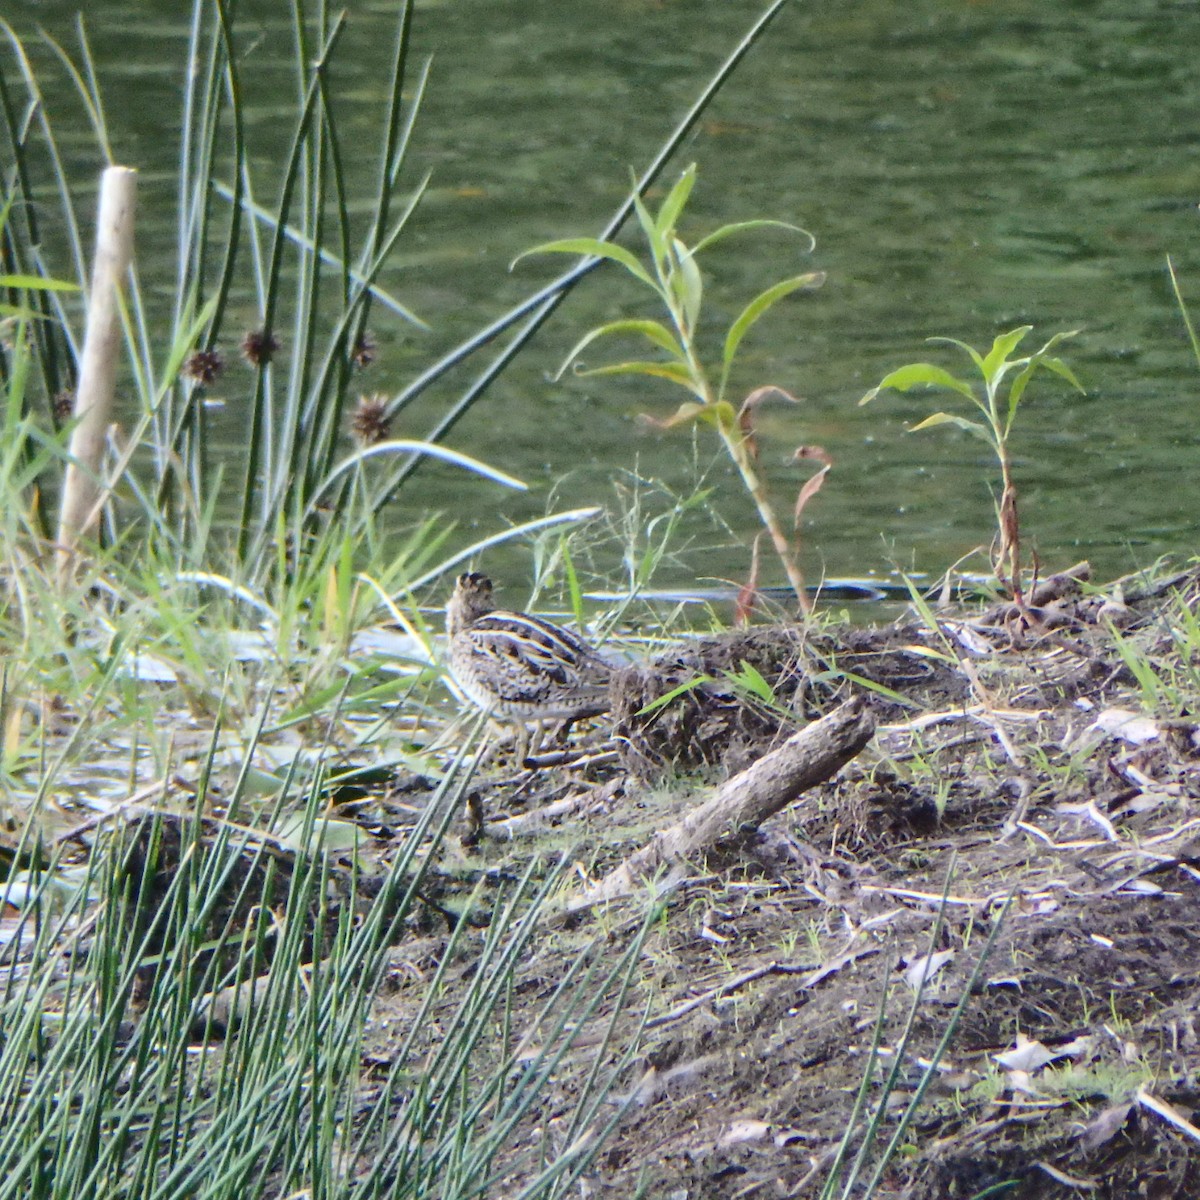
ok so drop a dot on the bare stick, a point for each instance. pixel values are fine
(812, 976)
(807, 758)
(98, 363)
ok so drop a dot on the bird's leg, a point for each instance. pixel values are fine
(530, 741)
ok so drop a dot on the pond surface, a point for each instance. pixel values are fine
(965, 168)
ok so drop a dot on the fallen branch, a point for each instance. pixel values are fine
(807, 758)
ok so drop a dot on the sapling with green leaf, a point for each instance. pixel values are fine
(673, 274)
(999, 408)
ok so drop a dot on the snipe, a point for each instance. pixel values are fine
(517, 667)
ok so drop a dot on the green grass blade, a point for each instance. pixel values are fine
(1003, 345)
(918, 374)
(674, 204)
(1183, 311)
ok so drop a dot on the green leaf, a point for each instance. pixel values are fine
(1181, 304)
(970, 350)
(751, 679)
(882, 689)
(1055, 365)
(1058, 337)
(719, 235)
(407, 446)
(657, 244)
(759, 305)
(943, 418)
(664, 700)
(649, 228)
(1042, 359)
(23, 314)
(653, 331)
(689, 287)
(904, 378)
(37, 283)
(595, 248)
(675, 373)
(1061, 369)
(1002, 347)
(724, 416)
(673, 205)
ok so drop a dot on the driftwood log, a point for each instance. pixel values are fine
(811, 756)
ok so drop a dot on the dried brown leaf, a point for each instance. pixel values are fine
(745, 416)
(812, 486)
(685, 414)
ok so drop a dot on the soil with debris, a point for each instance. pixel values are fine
(1023, 832)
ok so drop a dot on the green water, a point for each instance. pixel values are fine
(964, 167)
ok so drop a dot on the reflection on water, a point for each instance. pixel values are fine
(965, 168)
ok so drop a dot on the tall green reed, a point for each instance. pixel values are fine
(188, 1016)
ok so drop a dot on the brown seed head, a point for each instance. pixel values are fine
(259, 346)
(64, 405)
(370, 423)
(363, 352)
(204, 366)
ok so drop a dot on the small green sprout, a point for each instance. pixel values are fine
(999, 412)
